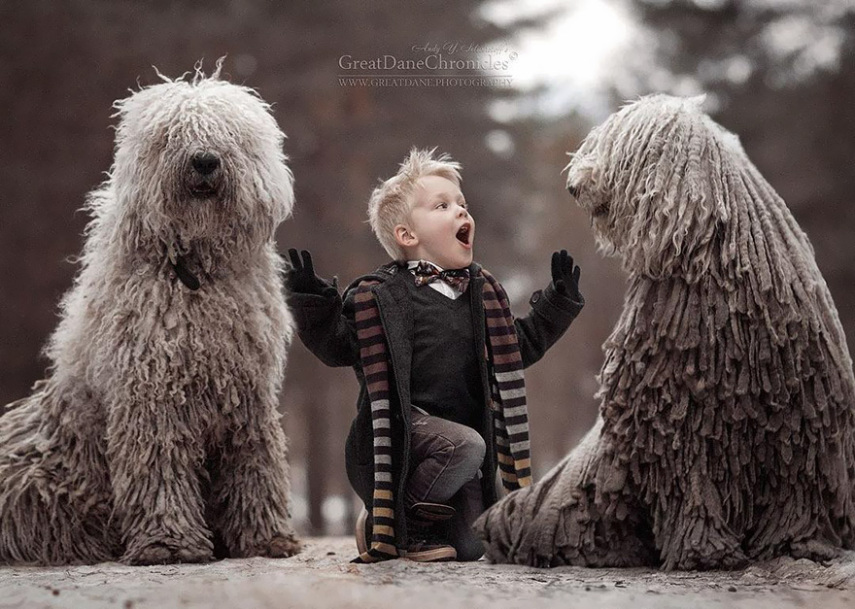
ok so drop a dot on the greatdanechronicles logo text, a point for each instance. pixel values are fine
(446, 65)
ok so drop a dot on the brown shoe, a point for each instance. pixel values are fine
(419, 549)
(429, 550)
(425, 523)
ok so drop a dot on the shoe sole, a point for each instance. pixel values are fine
(438, 555)
(433, 512)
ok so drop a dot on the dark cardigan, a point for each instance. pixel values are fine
(325, 324)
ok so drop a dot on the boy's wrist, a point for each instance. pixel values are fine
(316, 296)
(562, 303)
(318, 286)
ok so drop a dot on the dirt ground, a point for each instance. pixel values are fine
(322, 576)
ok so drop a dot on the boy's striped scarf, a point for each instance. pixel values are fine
(507, 384)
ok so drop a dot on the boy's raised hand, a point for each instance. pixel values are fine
(565, 276)
(300, 277)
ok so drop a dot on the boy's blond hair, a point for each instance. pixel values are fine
(391, 202)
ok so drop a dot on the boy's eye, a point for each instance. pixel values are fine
(443, 205)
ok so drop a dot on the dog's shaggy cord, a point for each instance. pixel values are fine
(727, 426)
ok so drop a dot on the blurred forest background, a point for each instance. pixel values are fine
(781, 74)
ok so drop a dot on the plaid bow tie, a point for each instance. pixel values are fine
(427, 273)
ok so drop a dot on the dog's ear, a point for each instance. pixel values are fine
(683, 206)
(274, 184)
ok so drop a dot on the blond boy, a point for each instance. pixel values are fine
(440, 361)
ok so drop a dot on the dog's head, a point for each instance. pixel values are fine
(652, 178)
(201, 159)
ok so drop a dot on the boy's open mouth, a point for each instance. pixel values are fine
(463, 234)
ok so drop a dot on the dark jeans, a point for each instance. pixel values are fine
(445, 459)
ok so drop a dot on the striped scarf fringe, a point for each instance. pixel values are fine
(508, 403)
(507, 388)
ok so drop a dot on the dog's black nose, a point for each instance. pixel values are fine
(205, 163)
(573, 190)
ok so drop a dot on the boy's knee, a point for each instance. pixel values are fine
(472, 449)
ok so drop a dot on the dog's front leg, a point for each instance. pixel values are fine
(251, 489)
(691, 529)
(155, 460)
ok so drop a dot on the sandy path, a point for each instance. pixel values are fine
(322, 577)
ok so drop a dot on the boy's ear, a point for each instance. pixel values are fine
(405, 237)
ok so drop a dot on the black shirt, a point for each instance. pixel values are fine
(445, 378)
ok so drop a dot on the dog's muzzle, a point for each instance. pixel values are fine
(205, 174)
(205, 163)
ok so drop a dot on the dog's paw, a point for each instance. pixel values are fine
(282, 546)
(700, 558)
(160, 553)
(814, 549)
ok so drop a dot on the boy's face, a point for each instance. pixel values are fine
(440, 228)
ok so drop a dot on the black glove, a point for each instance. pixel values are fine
(300, 277)
(565, 276)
